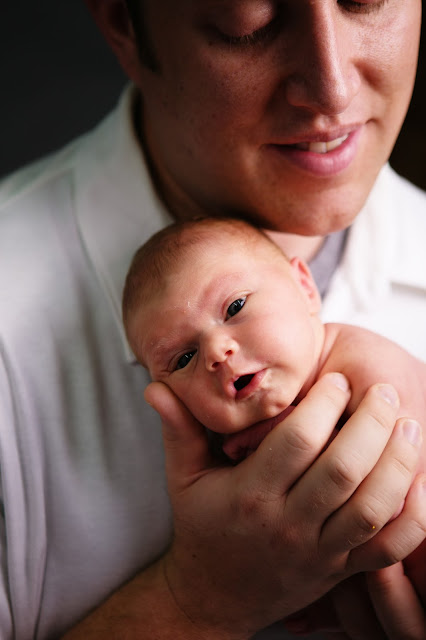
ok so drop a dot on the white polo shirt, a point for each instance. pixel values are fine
(84, 502)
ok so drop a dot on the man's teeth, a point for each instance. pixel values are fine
(321, 147)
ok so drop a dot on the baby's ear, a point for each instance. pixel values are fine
(307, 284)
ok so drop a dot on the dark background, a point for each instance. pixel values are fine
(58, 78)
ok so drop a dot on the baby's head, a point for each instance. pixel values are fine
(165, 252)
(214, 309)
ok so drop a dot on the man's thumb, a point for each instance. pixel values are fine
(185, 439)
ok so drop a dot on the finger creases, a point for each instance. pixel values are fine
(379, 497)
(302, 436)
(337, 474)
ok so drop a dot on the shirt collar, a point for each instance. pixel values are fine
(382, 248)
(116, 203)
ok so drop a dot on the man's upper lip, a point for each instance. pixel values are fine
(315, 135)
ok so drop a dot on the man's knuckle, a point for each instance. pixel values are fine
(417, 529)
(368, 520)
(382, 419)
(343, 475)
(403, 465)
(252, 504)
(297, 441)
(335, 399)
(390, 555)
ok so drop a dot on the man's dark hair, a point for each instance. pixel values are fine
(137, 15)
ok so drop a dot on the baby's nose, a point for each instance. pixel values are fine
(220, 358)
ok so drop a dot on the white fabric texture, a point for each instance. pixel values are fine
(83, 491)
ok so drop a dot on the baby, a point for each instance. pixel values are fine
(215, 310)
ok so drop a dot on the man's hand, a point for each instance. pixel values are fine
(379, 605)
(259, 541)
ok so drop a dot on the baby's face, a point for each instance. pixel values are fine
(234, 334)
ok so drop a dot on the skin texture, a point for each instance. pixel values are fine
(218, 113)
(228, 307)
(210, 117)
(190, 316)
(197, 337)
(192, 477)
(231, 305)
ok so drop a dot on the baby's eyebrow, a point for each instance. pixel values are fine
(161, 351)
(164, 348)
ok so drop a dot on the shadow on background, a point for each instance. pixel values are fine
(58, 78)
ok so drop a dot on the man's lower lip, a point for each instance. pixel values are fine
(322, 164)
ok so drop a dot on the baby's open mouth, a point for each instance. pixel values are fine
(243, 381)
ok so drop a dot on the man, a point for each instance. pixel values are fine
(284, 113)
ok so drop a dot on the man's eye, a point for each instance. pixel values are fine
(184, 360)
(255, 37)
(235, 307)
(362, 7)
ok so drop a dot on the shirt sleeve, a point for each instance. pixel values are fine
(22, 530)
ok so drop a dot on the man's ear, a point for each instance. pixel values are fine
(113, 20)
(307, 284)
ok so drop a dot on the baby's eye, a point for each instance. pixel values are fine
(235, 307)
(184, 360)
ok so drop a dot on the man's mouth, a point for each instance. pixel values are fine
(320, 147)
(321, 154)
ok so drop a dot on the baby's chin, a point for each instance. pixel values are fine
(238, 446)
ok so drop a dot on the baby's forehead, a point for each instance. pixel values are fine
(200, 260)
(225, 237)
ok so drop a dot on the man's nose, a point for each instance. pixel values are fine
(324, 76)
(218, 348)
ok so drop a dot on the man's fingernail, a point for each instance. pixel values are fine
(389, 394)
(412, 432)
(340, 381)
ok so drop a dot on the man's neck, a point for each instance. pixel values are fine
(305, 247)
(182, 207)
(322, 254)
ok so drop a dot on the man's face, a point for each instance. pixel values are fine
(250, 91)
(233, 333)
